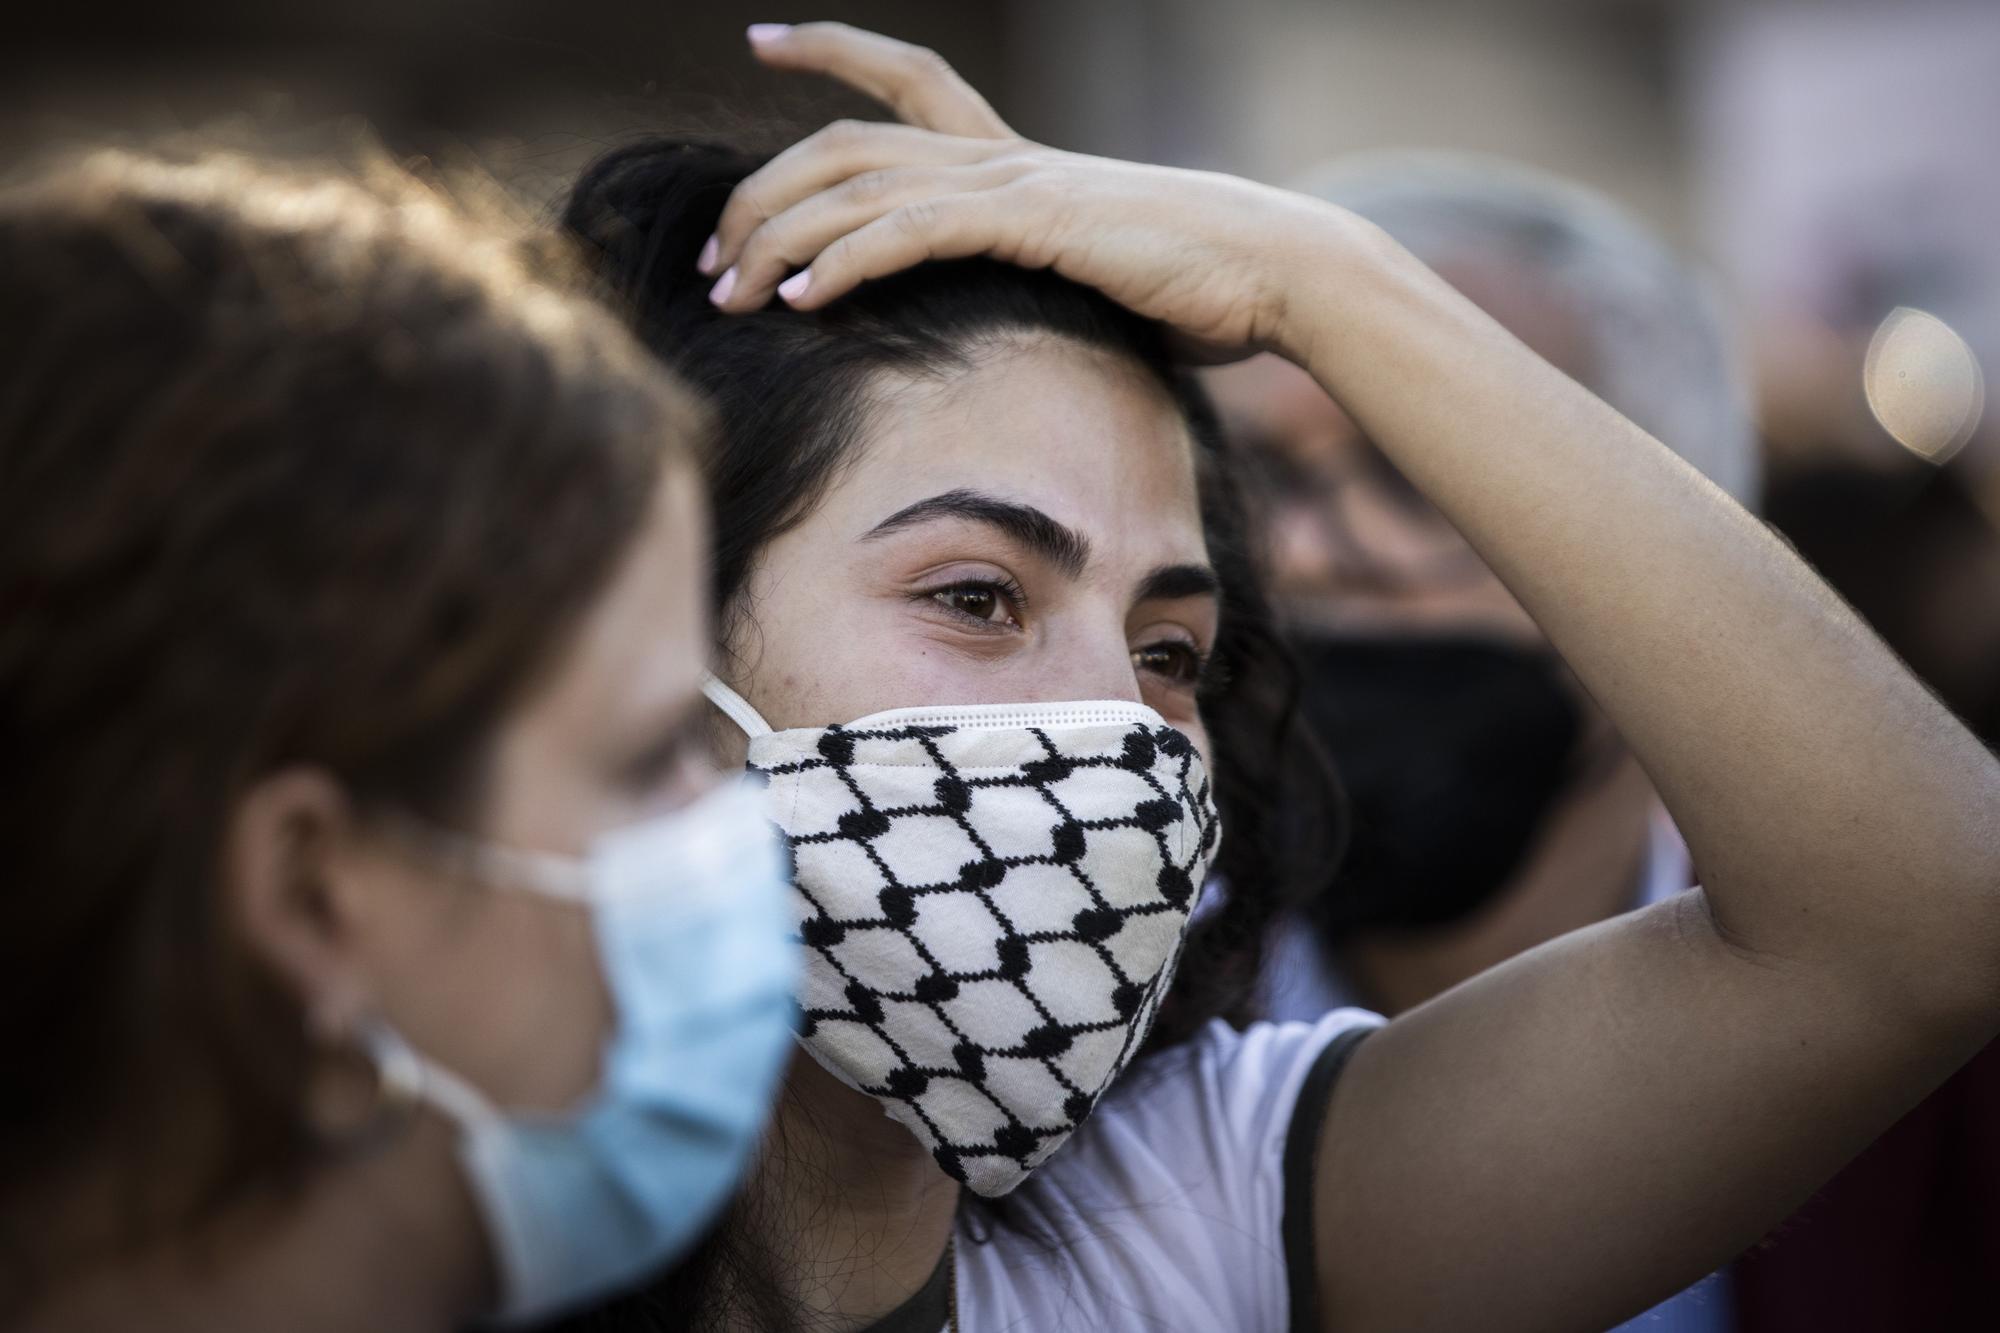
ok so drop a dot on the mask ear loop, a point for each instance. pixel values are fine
(398, 1076)
(735, 707)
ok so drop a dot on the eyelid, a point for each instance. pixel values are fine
(1156, 632)
(1002, 585)
(950, 575)
(965, 572)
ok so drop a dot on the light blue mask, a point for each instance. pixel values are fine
(694, 934)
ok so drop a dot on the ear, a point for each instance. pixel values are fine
(288, 872)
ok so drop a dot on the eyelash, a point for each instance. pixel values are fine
(1008, 590)
(1191, 671)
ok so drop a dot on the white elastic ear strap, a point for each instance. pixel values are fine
(736, 707)
(407, 1073)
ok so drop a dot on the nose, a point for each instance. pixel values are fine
(1085, 658)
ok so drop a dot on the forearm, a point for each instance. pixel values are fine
(1824, 791)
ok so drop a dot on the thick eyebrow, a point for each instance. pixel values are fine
(1169, 582)
(1065, 548)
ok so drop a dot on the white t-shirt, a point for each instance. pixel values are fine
(1166, 1209)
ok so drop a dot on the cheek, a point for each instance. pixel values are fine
(814, 648)
(504, 988)
(820, 642)
(1197, 732)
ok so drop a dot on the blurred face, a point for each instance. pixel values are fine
(1027, 531)
(1352, 545)
(502, 985)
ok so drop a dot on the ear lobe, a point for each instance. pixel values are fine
(285, 864)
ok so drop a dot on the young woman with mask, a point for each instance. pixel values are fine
(379, 952)
(953, 503)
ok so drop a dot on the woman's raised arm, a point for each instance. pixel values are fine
(1562, 1141)
(1587, 1128)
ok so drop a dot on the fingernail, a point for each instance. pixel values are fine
(710, 248)
(794, 287)
(724, 285)
(768, 32)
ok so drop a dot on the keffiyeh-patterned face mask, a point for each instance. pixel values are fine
(993, 899)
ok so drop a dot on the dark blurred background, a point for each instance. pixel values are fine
(1830, 159)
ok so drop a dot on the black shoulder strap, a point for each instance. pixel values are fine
(1300, 1167)
(929, 1308)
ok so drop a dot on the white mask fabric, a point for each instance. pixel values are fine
(993, 899)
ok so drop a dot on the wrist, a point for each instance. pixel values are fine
(1333, 280)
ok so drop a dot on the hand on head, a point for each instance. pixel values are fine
(1201, 253)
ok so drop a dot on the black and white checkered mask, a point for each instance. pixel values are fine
(993, 899)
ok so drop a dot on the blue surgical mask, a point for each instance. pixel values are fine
(694, 935)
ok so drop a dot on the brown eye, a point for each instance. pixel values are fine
(986, 603)
(979, 603)
(1180, 663)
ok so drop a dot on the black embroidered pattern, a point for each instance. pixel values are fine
(946, 958)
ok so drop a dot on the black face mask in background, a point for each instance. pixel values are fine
(1452, 752)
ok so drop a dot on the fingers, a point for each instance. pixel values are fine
(955, 226)
(840, 151)
(856, 200)
(800, 234)
(911, 81)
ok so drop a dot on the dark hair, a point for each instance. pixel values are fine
(291, 472)
(791, 391)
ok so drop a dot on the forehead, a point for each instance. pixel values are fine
(1085, 435)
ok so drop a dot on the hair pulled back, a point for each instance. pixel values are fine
(791, 391)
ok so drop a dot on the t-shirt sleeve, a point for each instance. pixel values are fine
(1195, 1147)
(1268, 1087)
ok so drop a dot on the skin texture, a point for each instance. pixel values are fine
(843, 623)
(500, 986)
(1574, 1135)
(1354, 550)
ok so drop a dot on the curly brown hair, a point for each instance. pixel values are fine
(293, 469)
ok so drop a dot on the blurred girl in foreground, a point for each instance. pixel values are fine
(373, 951)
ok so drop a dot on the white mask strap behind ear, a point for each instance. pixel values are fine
(736, 707)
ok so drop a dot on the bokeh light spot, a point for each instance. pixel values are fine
(1923, 383)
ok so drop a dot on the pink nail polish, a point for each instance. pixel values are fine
(768, 32)
(794, 287)
(709, 250)
(724, 285)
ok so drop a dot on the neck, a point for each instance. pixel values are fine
(388, 1241)
(849, 1211)
(1586, 866)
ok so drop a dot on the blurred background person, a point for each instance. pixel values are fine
(282, 1052)
(1492, 805)
(1437, 697)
